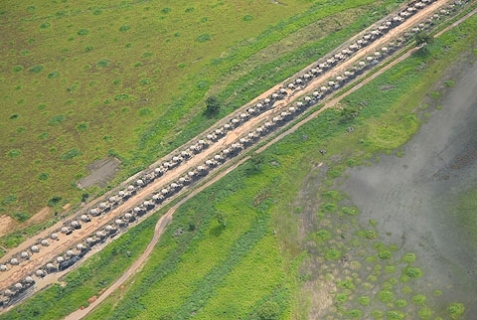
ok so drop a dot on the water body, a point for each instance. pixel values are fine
(414, 198)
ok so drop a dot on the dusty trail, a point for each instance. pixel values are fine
(66, 242)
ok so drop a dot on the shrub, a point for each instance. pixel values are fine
(364, 300)
(43, 176)
(456, 310)
(203, 37)
(103, 63)
(122, 96)
(269, 311)
(341, 298)
(386, 296)
(54, 201)
(14, 153)
(124, 28)
(355, 313)
(56, 119)
(36, 69)
(166, 10)
(83, 32)
(401, 303)
(413, 272)
(70, 154)
(384, 254)
(424, 313)
(88, 48)
(333, 254)
(53, 74)
(409, 257)
(419, 299)
(14, 116)
(247, 17)
(20, 216)
(82, 126)
(17, 68)
(45, 25)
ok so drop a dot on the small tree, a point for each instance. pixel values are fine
(348, 113)
(423, 38)
(213, 105)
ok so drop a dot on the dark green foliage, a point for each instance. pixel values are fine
(14, 116)
(124, 28)
(43, 176)
(88, 48)
(269, 311)
(456, 310)
(14, 153)
(203, 37)
(70, 154)
(122, 96)
(17, 68)
(103, 63)
(82, 126)
(166, 10)
(36, 69)
(83, 32)
(413, 272)
(45, 25)
(53, 74)
(212, 105)
(20, 216)
(247, 17)
(423, 38)
(56, 119)
(54, 201)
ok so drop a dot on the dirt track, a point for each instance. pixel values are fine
(66, 242)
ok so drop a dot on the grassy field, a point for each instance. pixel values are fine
(84, 82)
(242, 230)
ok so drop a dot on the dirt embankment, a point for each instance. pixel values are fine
(412, 197)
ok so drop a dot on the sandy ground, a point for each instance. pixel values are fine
(66, 242)
(6, 224)
(411, 197)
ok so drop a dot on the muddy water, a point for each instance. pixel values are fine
(413, 198)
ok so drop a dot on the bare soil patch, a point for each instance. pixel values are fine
(41, 216)
(6, 224)
(102, 171)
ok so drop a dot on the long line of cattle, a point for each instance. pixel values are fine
(15, 292)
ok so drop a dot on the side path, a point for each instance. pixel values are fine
(167, 218)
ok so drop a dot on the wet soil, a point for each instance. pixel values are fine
(413, 197)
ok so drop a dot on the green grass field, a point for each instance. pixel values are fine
(83, 81)
(250, 259)
(103, 93)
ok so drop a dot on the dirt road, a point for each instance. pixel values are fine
(47, 254)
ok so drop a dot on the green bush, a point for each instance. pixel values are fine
(83, 32)
(203, 37)
(124, 28)
(456, 310)
(36, 69)
(413, 272)
(53, 74)
(70, 154)
(269, 311)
